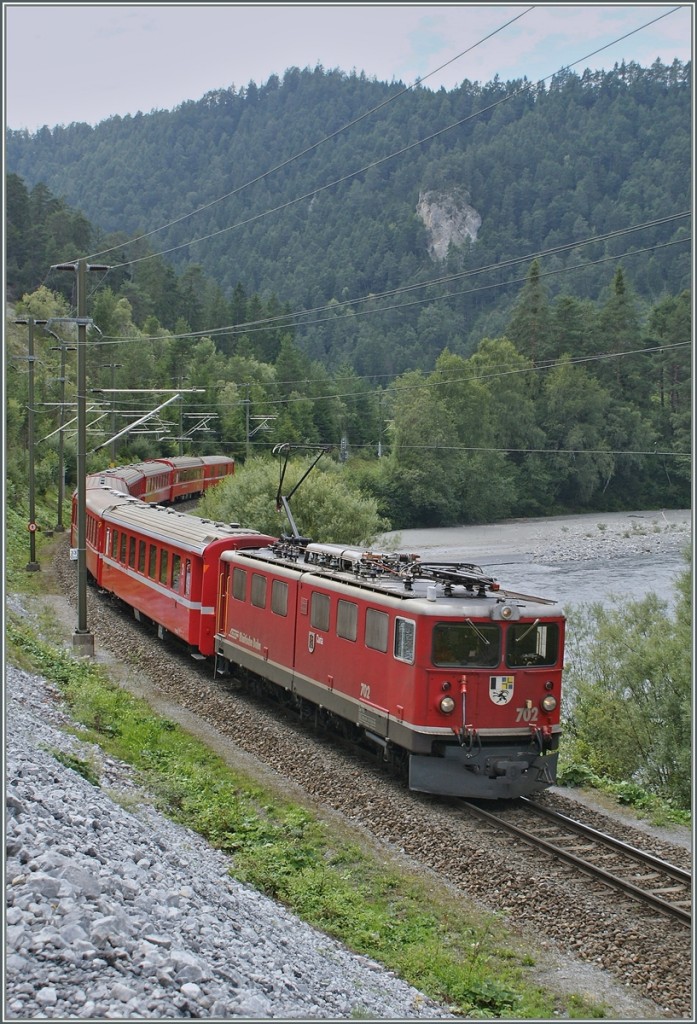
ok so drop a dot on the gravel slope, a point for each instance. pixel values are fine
(115, 912)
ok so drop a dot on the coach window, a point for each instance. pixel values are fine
(152, 562)
(532, 643)
(132, 552)
(258, 590)
(347, 620)
(164, 565)
(376, 629)
(239, 584)
(187, 577)
(319, 612)
(279, 597)
(114, 543)
(122, 555)
(404, 633)
(141, 555)
(176, 571)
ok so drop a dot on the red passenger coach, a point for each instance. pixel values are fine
(164, 564)
(186, 476)
(157, 483)
(430, 659)
(127, 479)
(215, 469)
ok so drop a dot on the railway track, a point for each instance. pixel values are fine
(642, 876)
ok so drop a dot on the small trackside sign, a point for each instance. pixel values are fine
(73, 554)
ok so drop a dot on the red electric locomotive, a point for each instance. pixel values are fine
(432, 660)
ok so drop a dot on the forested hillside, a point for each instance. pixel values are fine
(307, 202)
(520, 370)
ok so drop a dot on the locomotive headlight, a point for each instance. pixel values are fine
(447, 705)
(549, 702)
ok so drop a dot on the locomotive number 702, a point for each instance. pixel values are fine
(526, 714)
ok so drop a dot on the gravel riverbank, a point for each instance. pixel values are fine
(557, 539)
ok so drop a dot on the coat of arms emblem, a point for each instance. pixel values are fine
(501, 689)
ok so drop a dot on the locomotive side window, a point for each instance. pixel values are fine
(279, 597)
(176, 571)
(239, 584)
(532, 643)
(376, 629)
(466, 644)
(258, 590)
(404, 634)
(141, 555)
(347, 620)
(319, 611)
(164, 559)
(152, 562)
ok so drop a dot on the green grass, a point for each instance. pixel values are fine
(18, 547)
(468, 962)
(644, 804)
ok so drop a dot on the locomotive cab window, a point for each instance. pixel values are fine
(466, 645)
(532, 643)
(404, 633)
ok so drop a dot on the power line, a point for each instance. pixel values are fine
(311, 148)
(279, 323)
(517, 92)
(446, 382)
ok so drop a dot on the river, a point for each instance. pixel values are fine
(575, 560)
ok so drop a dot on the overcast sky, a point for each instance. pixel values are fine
(87, 62)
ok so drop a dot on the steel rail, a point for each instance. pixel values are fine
(643, 896)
